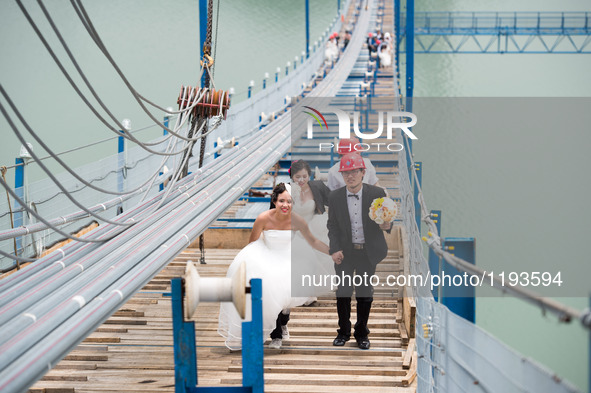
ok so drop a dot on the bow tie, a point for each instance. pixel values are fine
(354, 195)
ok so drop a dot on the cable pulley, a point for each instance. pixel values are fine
(213, 103)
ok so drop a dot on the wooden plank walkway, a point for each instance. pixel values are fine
(133, 350)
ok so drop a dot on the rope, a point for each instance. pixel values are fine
(206, 51)
(3, 169)
(215, 45)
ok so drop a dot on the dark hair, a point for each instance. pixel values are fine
(297, 166)
(278, 190)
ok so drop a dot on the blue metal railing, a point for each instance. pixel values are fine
(518, 23)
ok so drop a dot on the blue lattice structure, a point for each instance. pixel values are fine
(501, 32)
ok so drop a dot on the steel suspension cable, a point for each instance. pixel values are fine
(75, 87)
(60, 161)
(81, 11)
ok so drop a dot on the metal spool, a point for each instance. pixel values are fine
(212, 103)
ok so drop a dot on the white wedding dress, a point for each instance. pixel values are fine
(308, 261)
(268, 258)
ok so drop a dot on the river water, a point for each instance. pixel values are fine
(155, 43)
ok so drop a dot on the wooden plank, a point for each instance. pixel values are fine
(410, 350)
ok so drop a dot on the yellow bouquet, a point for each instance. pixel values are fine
(382, 210)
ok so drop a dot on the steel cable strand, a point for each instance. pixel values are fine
(181, 167)
(94, 34)
(104, 228)
(75, 63)
(70, 55)
(158, 141)
(60, 161)
(72, 192)
(39, 226)
(72, 250)
(75, 87)
(122, 254)
(174, 141)
(54, 179)
(155, 230)
(54, 346)
(177, 173)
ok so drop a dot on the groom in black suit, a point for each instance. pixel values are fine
(357, 245)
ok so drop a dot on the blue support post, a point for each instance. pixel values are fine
(307, 28)
(434, 265)
(277, 71)
(202, 31)
(252, 341)
(287, 68)
(410, 64)
(419, 171)
(397, 36)
(121, 165)
(185, 349)
(459, 299)
(19, 182)
(164, 132)
(185, 352)
(166, 124)
(410, 50)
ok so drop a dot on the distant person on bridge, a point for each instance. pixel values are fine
(385, 55)
(357, 245)
(331, 51)
(371, 42)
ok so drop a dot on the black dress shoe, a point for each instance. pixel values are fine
(363, 343)
(340, 340)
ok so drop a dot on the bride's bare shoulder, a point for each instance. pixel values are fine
(264, 216)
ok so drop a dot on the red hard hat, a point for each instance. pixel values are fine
(347, 146)
(369, 35)
(351, 161)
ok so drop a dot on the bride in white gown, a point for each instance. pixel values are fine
(310, 202)
(268, 256)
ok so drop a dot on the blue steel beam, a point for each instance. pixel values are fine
(498, 32)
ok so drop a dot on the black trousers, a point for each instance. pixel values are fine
(282, 320)
(355, 264)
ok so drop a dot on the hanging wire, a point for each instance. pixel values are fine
(51, 226)
(60, 161)
(81, 11)
(48, 172)
(3, 169)
(73, 84)
(75, 87)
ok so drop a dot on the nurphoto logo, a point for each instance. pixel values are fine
(344, 119)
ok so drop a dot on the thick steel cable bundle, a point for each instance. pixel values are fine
(51, 306)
